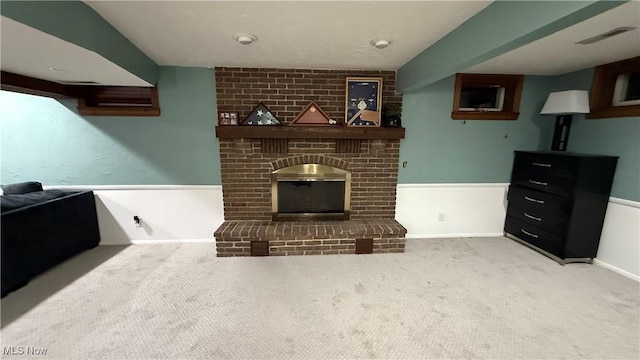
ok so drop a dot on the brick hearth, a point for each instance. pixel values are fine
(233, 238)
(247, 161)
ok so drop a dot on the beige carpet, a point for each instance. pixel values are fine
(444, 298)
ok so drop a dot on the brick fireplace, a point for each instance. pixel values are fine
(249, 155)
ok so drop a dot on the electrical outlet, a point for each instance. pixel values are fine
(440, 217)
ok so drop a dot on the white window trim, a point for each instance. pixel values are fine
(622, 81)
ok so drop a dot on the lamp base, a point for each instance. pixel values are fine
(561, 133)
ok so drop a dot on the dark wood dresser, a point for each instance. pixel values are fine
(557, 202)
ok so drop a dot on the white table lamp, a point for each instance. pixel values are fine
(564, 104)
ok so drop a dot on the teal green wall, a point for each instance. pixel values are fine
(441, 150)
(77, 23)
(47, 141)
(612, 136)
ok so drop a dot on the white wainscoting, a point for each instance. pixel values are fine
(619, 248)
(191, 213)
(451, 210)
(479, 210)
(168, 213)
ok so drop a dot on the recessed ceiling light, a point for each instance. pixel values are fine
(58, 69)
(245, 39)
(380, 43)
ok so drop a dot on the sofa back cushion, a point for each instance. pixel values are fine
(17, 201)
(21, 188)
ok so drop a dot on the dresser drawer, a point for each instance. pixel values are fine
(548, 164)
(553, 223)
(534, 235)
(540, 202)
(559, 185)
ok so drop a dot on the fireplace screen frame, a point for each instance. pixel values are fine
(310, 172)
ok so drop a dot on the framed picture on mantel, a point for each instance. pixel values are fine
(363, 103)
(227, 118)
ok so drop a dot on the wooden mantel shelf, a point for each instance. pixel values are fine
(307, 132)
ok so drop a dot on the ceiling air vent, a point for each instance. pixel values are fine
(608, 34)
(66, 82)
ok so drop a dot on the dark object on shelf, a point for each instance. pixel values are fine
(557, 203)
(42, 229)
(261, 115)
(391, 115)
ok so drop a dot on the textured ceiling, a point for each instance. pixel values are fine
(30, 52)
(558, 54)
(291, 34)
(302, 34)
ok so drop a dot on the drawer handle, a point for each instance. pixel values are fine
(528, 233)
(534, 200)
(532, 217)
(540, 164)
(538, 182)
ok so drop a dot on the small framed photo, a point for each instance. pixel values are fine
(227, 118)
(363, 103)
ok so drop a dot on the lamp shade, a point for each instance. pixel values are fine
(567, 102)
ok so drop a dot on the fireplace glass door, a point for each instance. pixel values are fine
(311, 197)
(310, 192)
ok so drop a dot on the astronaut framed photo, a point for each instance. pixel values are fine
(363, 103)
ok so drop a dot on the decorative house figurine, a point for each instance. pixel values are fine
(260, 115)
(312, 115)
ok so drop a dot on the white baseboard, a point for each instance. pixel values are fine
(174, 241)
(133, 187)
(625, 202)
(191, 213)
(617, 270)
(452, 235)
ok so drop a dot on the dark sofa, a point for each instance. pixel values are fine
(40, 229)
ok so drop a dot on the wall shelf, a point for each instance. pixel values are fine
(307, 132)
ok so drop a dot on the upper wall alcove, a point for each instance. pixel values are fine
(487, 97)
